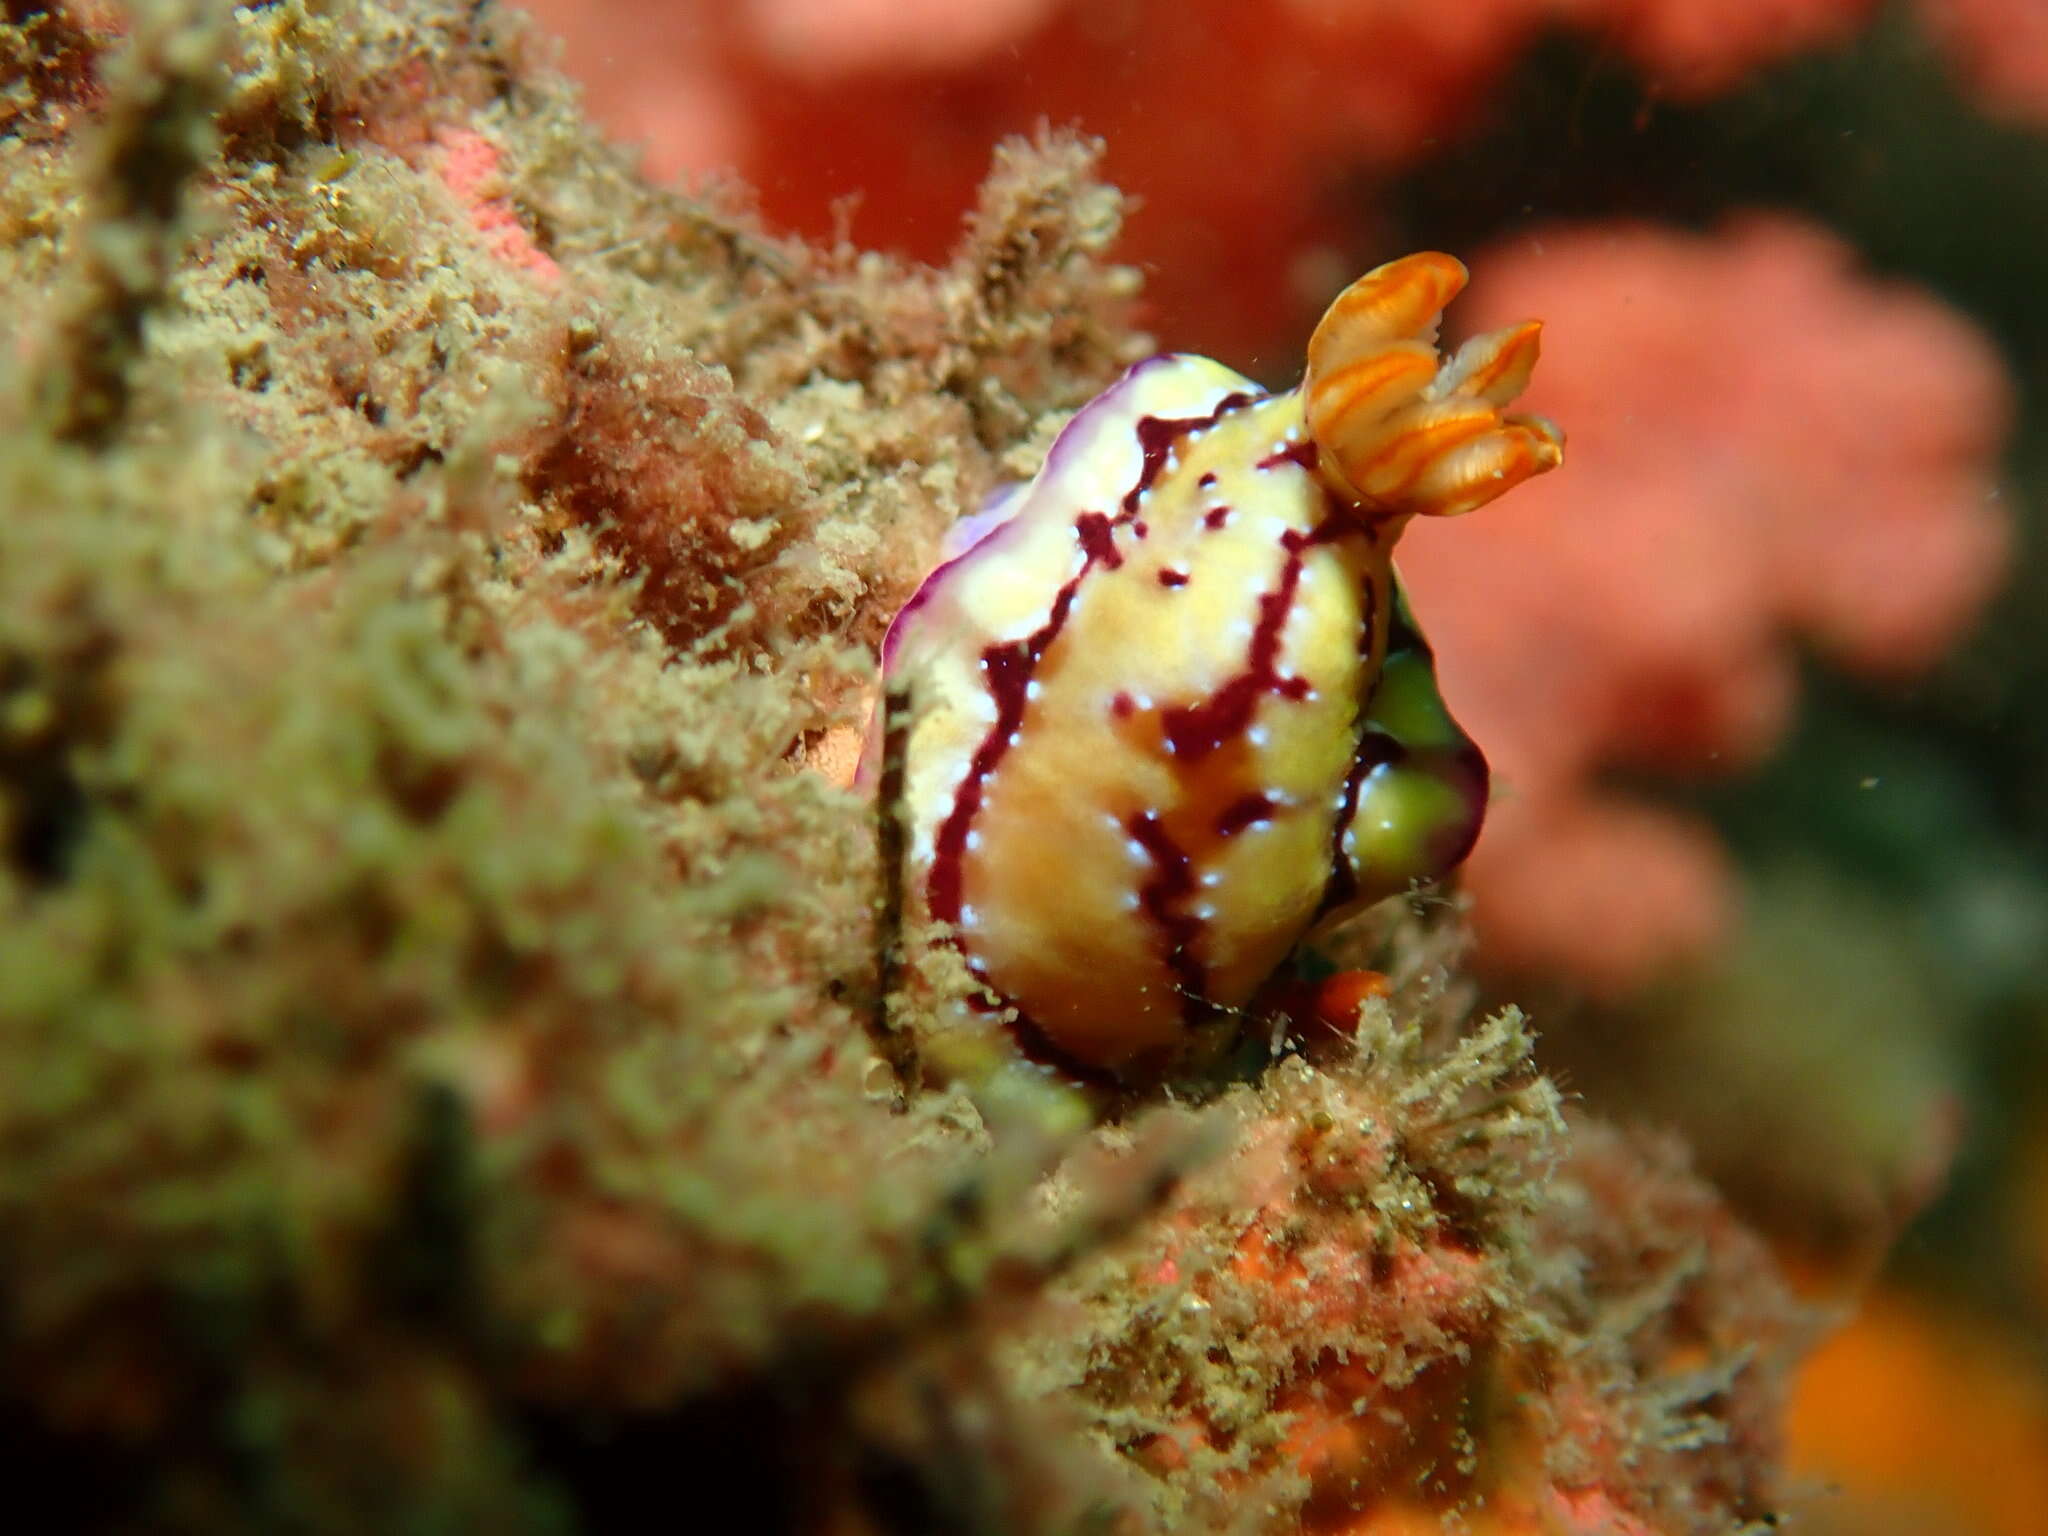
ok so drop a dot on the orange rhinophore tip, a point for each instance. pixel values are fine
(1398, 301)
(1495, 367)
(1356, 396)
(1477, 471)
(1403, 433)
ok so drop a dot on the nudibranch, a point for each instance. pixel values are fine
(1164, 707)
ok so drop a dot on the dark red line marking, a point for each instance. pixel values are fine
(1374, 751)
(1195, 730)
(1172, 882)
(1302, 453)
(1009, 667)
(1246, 812)
(1156, 437)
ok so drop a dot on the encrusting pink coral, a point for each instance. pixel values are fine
(470, 169)
(1768, 448)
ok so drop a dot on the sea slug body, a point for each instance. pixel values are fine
(1164, 707)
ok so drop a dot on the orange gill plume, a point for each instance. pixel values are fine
(1400, 434)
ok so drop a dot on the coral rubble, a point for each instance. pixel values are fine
(438, 1071)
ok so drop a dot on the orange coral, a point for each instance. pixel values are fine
(470, 169)
(1232, 123)
(1936, 1423)
(1767, 447)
